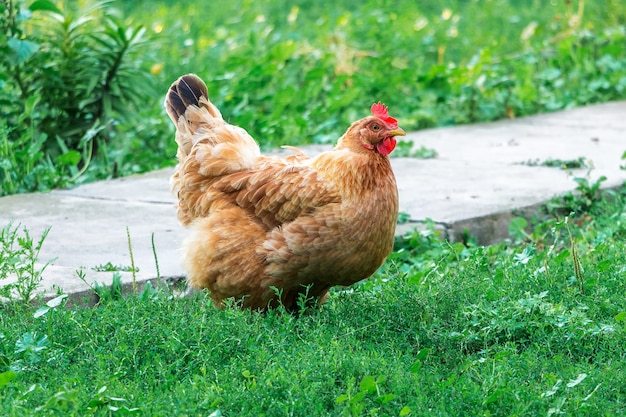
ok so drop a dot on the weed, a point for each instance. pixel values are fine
(403, 217)
(109, 267)
(110, 293)
(19, 257)
(50, 305)
(405, 149)
(587, 194)
(133, 269)
(29, 352)
(578, 163)
(102, 400)
(356, 402)
(156, 259)
(6, 377)
(305, 304)
(578, 271)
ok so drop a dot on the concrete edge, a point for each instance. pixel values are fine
(488, 230)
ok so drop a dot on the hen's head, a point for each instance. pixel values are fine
(375, 133)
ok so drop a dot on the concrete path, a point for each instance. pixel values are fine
(482, 173)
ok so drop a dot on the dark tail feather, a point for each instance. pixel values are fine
(184, 92)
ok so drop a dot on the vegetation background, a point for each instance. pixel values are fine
(82, 82)
(535, 325)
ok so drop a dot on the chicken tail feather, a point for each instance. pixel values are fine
(208, 147)
(184, 92)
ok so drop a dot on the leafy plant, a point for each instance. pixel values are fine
(109, 267)
(102, 400)
(88, 63)
(30, 347)
(50, 305)
(586, 195)
(6, 377)
(405, 149)
(24, 165)
(356, 401)
(109, 293)
(578, 163)
(19, 257)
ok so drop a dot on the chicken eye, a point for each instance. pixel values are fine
(375, 127)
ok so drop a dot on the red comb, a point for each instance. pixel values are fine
(381, 111)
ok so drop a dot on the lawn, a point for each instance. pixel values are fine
(533, 326)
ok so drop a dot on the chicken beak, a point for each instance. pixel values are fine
(397, 132)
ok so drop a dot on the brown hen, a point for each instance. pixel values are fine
(266, 229)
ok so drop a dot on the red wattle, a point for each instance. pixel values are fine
(386, 146)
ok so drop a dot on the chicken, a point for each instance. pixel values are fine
(266, 230)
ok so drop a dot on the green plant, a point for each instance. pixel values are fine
(156, 259)
(19, 257)
(50, 305)
(24, 165)
(133, 268)
(109, 293)
(356, 402)
(405, 149)
(6, 377)
(29, 349)
(88, 63)
(587, 194)
(109, 267)
(102, 400)
(580, 162)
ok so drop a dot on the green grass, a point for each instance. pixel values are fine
(442, 329)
